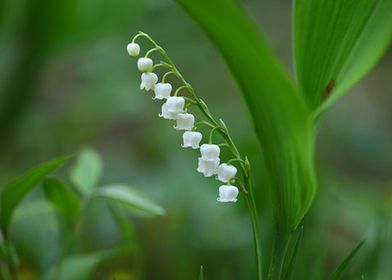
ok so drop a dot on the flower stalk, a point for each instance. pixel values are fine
(209, 160)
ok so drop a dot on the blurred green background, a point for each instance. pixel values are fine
(66, 82)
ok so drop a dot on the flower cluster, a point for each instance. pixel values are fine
(175, 108)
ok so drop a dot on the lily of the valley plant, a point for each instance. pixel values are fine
(176, 107)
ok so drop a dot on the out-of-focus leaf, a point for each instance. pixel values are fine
(31, 209)
(14, 191)
(337, 42)
(80, 267)
(279, 113)
(343, 266)
(130, 198)
(63, 199)
(123, 223)
(87, 170)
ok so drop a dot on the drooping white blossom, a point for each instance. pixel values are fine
(227, 193)
(184, 121)
(191, 139)
(175, 104)
(166, 114)
(226, 172)
(144, 64)
(149, 81)
(210, 151)
(133, 49)
(208, 167)
(162, 90)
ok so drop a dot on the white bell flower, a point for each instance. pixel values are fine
(226, 172)
(191, 139)
(184, 121)
(166, 114)
(175, 104)
(210, 151)
(148, 81)
(162, 91)
(133, 49)
(228, 193)
(208, 166)
(144, 64)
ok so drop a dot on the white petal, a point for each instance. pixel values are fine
(228, 193)
(208, 167)
(162, 90)
(184, 121)
(133, 49)
(191, 139)
(226, 172)
(209, 151)
(144, 64)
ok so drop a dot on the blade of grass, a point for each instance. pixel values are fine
(343, 266)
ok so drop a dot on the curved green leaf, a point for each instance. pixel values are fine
(279, 113)
(87, 170)
(130, 198)
(63, 198)
(14, 191)
(337, 42)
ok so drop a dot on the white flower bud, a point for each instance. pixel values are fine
(133, 49)
(208, 166)
(162, 90)
(175, 104)
(184, 121)
(148, 81)
(228, 193)
(210, 151)
(226, 172)
(144, 64)
(191, 139)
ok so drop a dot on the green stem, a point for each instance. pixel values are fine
(255, 227)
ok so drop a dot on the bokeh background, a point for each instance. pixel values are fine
(66, 82)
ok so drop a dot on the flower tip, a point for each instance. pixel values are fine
(133, 49)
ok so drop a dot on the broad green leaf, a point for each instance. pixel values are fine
(130, 198)
(279, 113)
(337, 42)
(343, 266)
(14, 191)
(63, 198)
(87, 170)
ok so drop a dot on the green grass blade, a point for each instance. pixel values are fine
(14, 191)
(201, 274)
(337, 42)
(87, 170)
(63, 198)
(343, 266)
(130, 198)
(279, 113)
